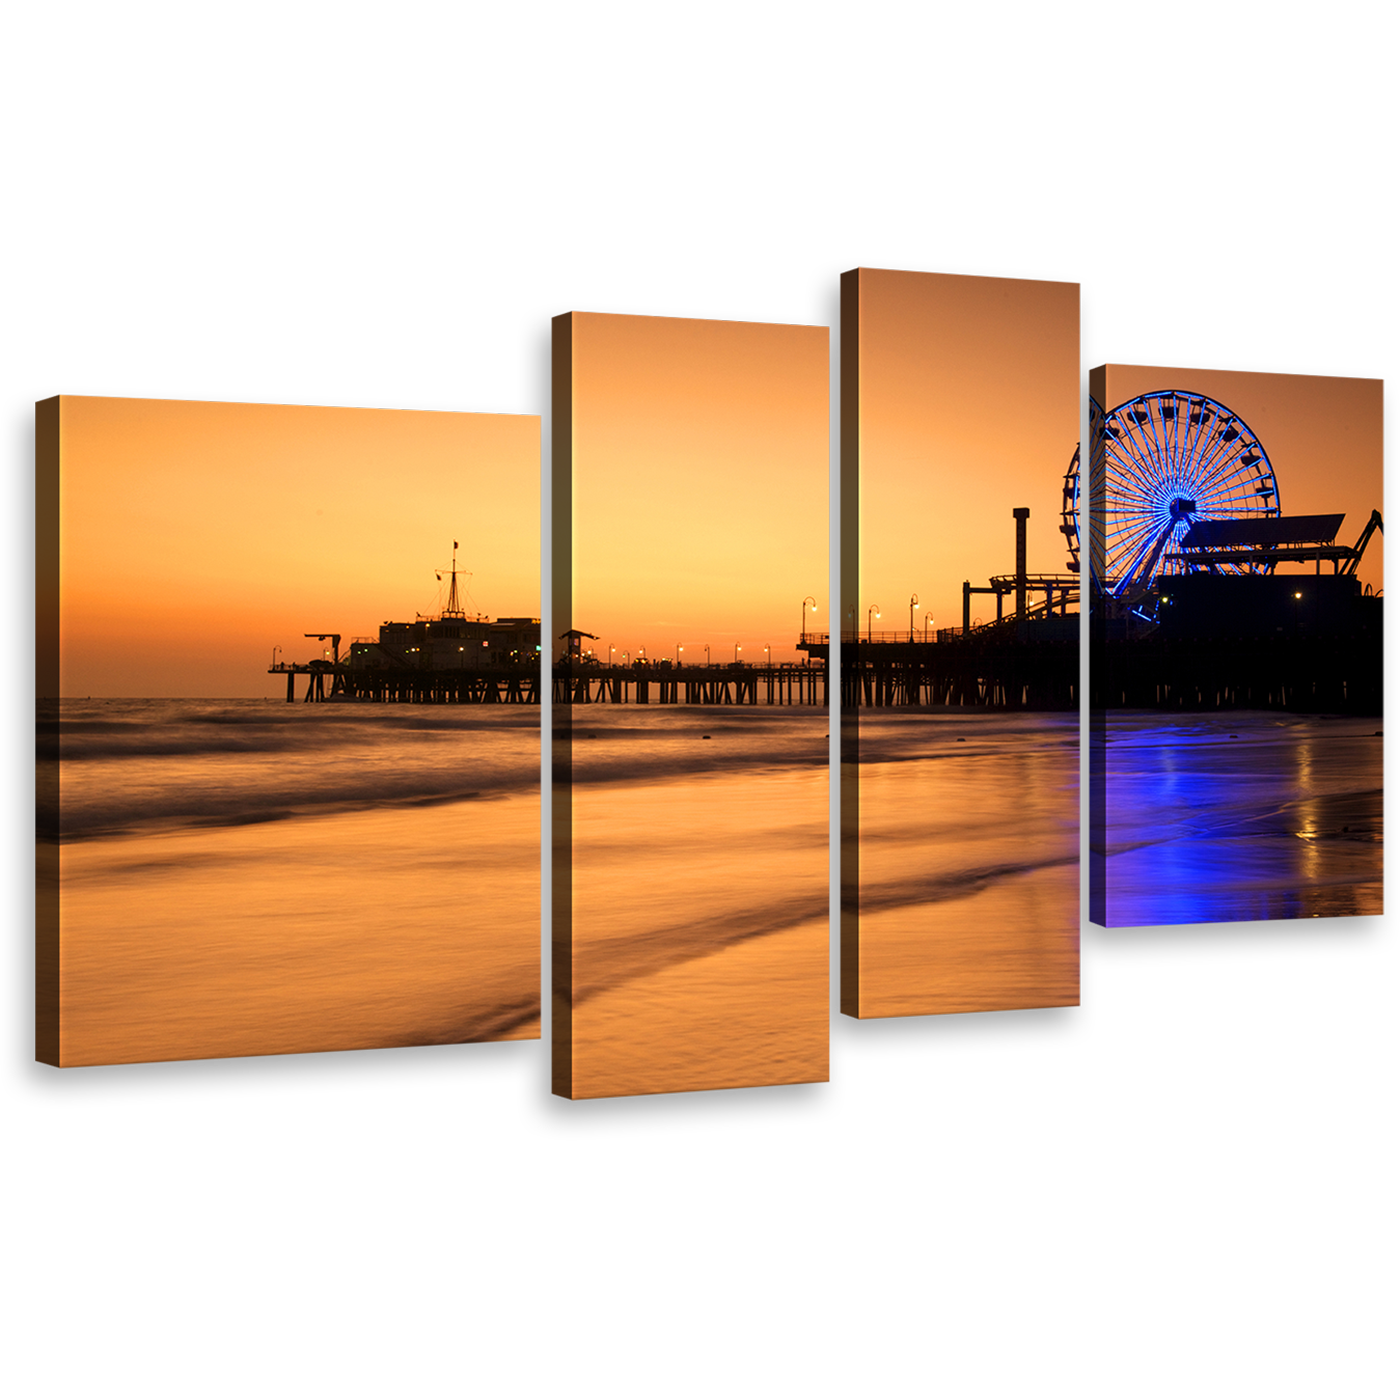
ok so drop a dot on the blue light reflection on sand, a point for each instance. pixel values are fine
(1245, 815)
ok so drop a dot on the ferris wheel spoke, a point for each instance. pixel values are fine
(1150, 466)
(1133, 544)
(1222, 468)
(1131, 476)
(1144, 479)
(1157, 432)
(1146, 547)
(1236, 493)
(1203, 447)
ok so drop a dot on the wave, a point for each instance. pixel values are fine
(609, 963)
(687, 742)
(938, 889)
(93, 822)
(170, 729)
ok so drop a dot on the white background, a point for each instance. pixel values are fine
(1185, 1187)
(283, 193)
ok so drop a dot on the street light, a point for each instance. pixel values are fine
(738, 648)
(707, 653)
(275, 650)
(874, 611)
(913, 604)
(802, 631)
(928, 617)
(679, 649)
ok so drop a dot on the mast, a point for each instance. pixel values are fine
(454, 606)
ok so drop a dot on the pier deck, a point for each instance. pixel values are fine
(576, 684)
(328, 681)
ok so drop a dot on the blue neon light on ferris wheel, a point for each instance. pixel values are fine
(1170, 458)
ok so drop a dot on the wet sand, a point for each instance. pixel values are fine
(752, 1014)
(701, 931)
(340, 932)
(969, 863)
(1240, 815)
(1003, 948)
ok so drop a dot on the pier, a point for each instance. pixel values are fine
(1010, 666)
(988, 672)
(1323, 675)
(661, 683)
(330, 681)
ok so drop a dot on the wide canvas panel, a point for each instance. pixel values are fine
(1236, 684)
(690, 876)
(222, 872)
(960, 643)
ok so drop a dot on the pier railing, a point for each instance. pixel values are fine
(941, 634)
(662, 683)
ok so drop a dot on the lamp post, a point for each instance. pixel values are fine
(707, 653)
(679, 649)
(275, 650)
(802, 631)
(737, 650)
(873, 611)
(928, 617)
(768, 652)
(611, 650)
(913, 606)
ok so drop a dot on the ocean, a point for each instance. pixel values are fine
(252, 877)
(249, 877)
(1239, 815)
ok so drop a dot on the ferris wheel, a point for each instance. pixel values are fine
(1069, 506)
(1171, 458)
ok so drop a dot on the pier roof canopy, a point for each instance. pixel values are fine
(1276, 530)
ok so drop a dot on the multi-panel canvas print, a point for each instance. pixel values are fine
(690, 886)
(288, 729)
(959, 643)
(1235, 646)
(290, 801)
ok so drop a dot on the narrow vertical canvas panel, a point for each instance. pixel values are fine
(1236, 685)
(222, 872)
(691, 897)
(960, 643)
(46, 689)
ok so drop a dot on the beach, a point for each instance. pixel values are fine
(251, 877)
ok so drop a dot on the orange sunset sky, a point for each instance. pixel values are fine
(969, 406)
(198, 536)
(701, 479)
(1322, 435)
